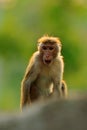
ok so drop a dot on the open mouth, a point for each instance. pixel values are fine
(47, 61)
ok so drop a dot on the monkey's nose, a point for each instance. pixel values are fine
(47, 56)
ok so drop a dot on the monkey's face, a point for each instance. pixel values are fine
(49, 52)
(49, 48)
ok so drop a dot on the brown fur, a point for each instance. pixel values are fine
(47, 39)
(44, 73)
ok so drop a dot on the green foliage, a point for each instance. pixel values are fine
(22, 22)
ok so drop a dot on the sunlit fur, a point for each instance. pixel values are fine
(40, 79)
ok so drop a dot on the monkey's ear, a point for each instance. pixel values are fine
(39, 45)
(60, 46)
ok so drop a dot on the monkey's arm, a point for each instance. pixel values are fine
(64, 89)
(59, 76)
(29, 77)
(61, 87)
(57, 87)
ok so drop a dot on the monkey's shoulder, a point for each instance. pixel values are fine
(35, 60)
(36, 55)
(33, 64)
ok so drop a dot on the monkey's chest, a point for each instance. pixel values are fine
(45, 85)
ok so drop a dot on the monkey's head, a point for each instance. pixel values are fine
(49, 48)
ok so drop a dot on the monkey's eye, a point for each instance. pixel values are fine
(44, 48)
(51, 48)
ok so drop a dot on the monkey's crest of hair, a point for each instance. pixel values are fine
(48, 39)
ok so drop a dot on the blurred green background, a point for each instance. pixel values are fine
(22, 22)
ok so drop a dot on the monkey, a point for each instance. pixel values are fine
(44, 73)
